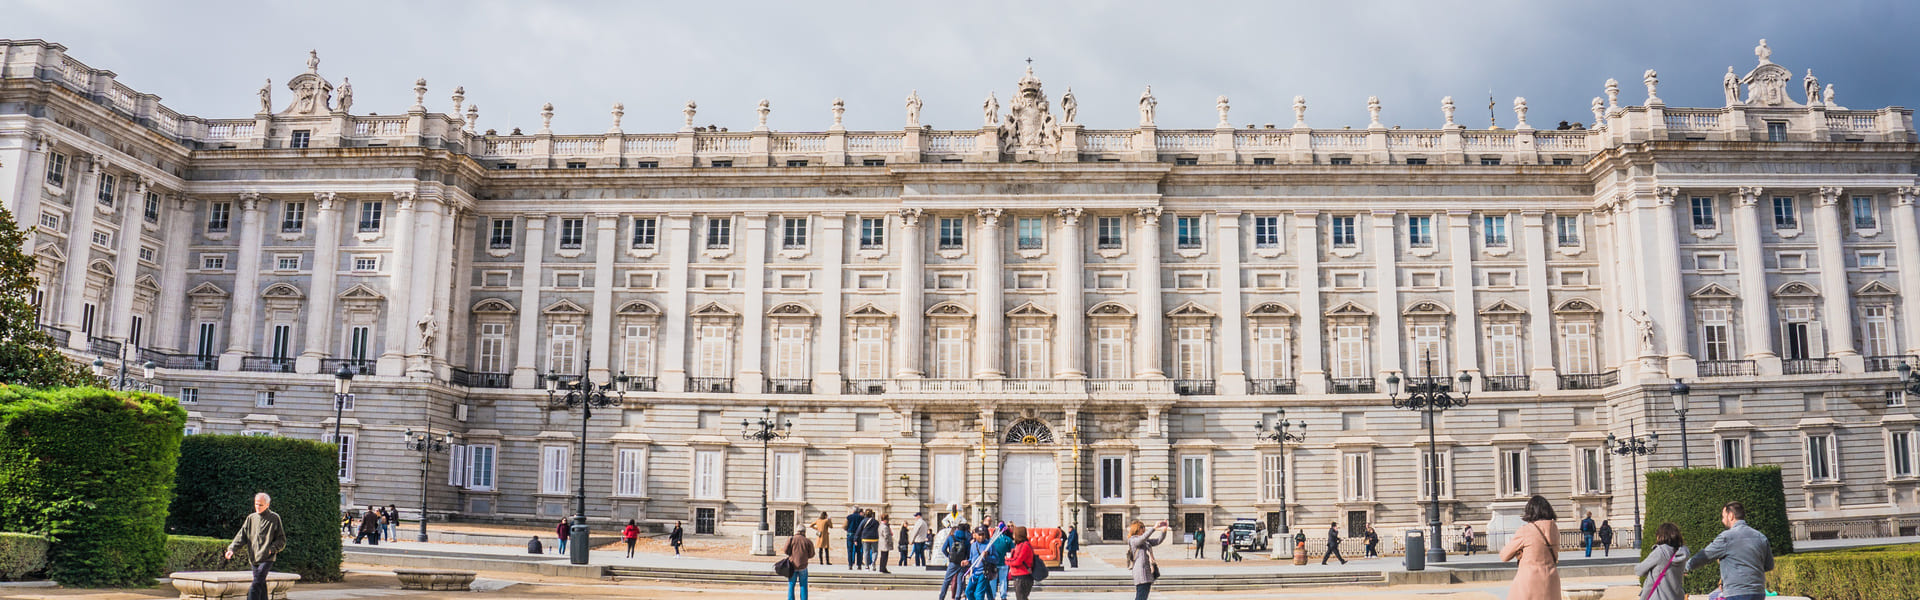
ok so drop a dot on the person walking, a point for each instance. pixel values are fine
(853, 538)
(822, 525)
(1743, 554)
(1586, 533)
(369, 527)
(1533, 545)
(884, 544)
(393, 522)
(980, 573)
(562, 531)
(869, 539)
(632, 536)
(798, 551)
(1072, 546)
(957, 546)
(1197, 540)
(922, 534)
(1466, 535)
(1372, 539)
(1140, 543)
(265, 537)
(1020, 563)
(1664, 566)
(1606, 539)
(677, 538)
(1226, 545)
(1333, 544)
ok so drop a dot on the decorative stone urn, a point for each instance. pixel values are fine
(224, 585)
(446, 580)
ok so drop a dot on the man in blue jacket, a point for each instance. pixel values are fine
(853, 539)
(1072, 547)
(957, 547)
(980, 571)
(1586, 533)
(1001, 546)
(1743, 554)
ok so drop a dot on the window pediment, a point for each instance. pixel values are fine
(1577, 305)
(1503, 308)
(360, 292)
(1110, 309)
(869, 311)
(1875, 288)
(493, 306)
(1271, 309)
(712, 310)
(147, 282)
(102, 267)
(208, 290)
(639, 308)
(1426, 308)
(282, 291)
(1795, 289)
(1713, 291)
(1349, 309)
(52, 251)
(564, 307)
(949, 309)
(1030, 310)
(1191, 310)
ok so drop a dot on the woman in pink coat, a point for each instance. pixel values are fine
(1534, 545)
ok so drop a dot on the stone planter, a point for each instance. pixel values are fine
(224, 585)
(435, 579)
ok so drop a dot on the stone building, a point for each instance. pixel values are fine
(1029, 318)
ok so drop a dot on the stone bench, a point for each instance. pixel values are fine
(447, 580)
(224, 585)
(1583, 591)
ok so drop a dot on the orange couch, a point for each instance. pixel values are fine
(1048, 544)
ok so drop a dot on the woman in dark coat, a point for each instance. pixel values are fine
(677, 538)
(1606, 538)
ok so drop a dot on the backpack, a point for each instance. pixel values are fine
(958, 551)
(1038, 569)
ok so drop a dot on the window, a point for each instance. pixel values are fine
(57, 169)
(873, 233)
(1513, 473)
(646, 164)
(631, 477)
(1489, 161)
(1703, 218)
(189, 395)
(796, 163)
(1031, 233)
(263, 399)
(293, 217)
(787, 477)
(300, 139)
(1270, 353)
(1784, 216)
(152, 214)
(1494, 231)
(562, 346)
(869, 352)
(500, 234)
(1433, 474)
(949, 353)
(106, 189)
(576, 164)
(1193, 479)
(553, 469)
(282, 344)
(345, 455)
(50, 221)
(1733, 453)
(366, 264)
(1822, 460)
(217, 214)
(1576, 348)
(1900, 453)
(1273, 474)
(1355, 481)
(209, 336)
(103, 238)
(213, 262)
(286, 262)
(1113, 480)
(707, 483)
(1340, 160)
(1350, 352)
(1716, 334)
(371, 215)
(1419, 231)
(359, 341)
(1877, 331)
(953, 233)
(636, 351)
(1863, 215)
(86, 318)
(1187, 232)
(1344, 235)
(1563, 162)
(1416, 161)
(1266, 231)
(1568, 229)
(716, 351)
(1896, 399)
(1503, 349)
(866, 478)
(506, 166)
(790, 352)
(1265, 160)
(646, 231)
(480, 467)
(1190, 354)
(1029, 353)
(1186, 160)
(793, 232)
(719, 232)
(572, 232)
(949, 478)
(873, 162)
(721, 164)
(1593, 478)
(1776, 131)
(1110, 353)
(1872, 260)
(493, 348)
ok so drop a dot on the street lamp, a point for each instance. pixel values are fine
(342, 395)
(1908, 379)
(1433, 395)
(121, 381)
(1679, 391)
(579, 391)
(1074, 500)
(1636, 447)
(765, 430)
(426, 445)
(1281, 431)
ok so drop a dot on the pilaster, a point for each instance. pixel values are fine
(126, 266)
(1233, 315)
(448, 249)
(1466, 338)
(827, 346)
(80, 224)
(753, 310)
(170, 320)
(673, 328)
(1146, 275)
(1835, 293)
(526, 372)
(600, 336)
(1906, 237)
(1386, 287)
(25, 201)
(246, 285)
(320, 288)
(913, 288)
(1313, 354)
(991, 320)
(427, 221)
(393, 355)
(1539, 303)
(1070, 346)
(460, 324)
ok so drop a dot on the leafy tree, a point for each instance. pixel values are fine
(27, 354)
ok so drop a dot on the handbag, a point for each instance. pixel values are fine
(784, 568)
(1655, 586)
(1551, 553)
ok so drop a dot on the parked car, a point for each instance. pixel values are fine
(1249, 535)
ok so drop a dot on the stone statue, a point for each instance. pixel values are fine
(1221, 105)
(1299, 111)
(1147, 103)
(1828, 97)
(689, 111)
(306, 97)
(1762, 51)
(764, 109)
(1520, 113)
(1652, 80)
(1613, 93)
(1069, 107)
(1599, 112)
(1373, 111)
(839, 110)
(913, 108)
(429, 328)
(990, 110)
(1643, 324)
(546, 117)
(1732, 84)
(1029, 125)
(619, 111)
(1813, 88)
(346, 94)
(266, 96)
(313, 61)
(1446, 108)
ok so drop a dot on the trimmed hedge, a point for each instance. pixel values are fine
(195, 553)
(1691, 498)
(92, 470)
(1847, 575)
(219, 474)
(21, 554)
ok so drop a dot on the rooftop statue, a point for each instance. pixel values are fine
(1029, 126)
(1732, 84)
(913, 108)
(1146, 106)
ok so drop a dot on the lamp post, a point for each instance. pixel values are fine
(121, 381)
(765, 430)
(1074, 500)
(579, 391)
(1281, 431)
(1636, 447)
(426, 445)
(1432, 395)
(1679, 391)
(1908, 379)
(343, 394)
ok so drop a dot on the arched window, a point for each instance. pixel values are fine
(1029, 432)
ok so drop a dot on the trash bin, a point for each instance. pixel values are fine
(1416, 550)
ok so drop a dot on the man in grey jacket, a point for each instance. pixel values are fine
(265, 538)
(1743, 554)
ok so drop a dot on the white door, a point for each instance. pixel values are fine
(1030, 491)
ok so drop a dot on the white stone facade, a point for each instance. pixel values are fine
(988, 316)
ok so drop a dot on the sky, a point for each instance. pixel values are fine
(208, 58)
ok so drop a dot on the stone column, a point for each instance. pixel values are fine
(753, 308)
(1466, 318)
(913, 288)
(1756, 320)
(26, 199)
(1070, 339)
(320, 292)
(448, 250)
(673, 325)
(1906, 237)
(1386, 287)
(1313, 354)
(1233, 315)
(393, 354)
(600, 340)
(126, 266)
(1666, 293)
(1835, 293)
(246, 285)
(1539, 302)
(1609, 335)
(990, 327)
(172, 318)
(80, 224)
(832, 243)
(1639, 355)
(460, 324)
(427, 215)
(526, 368)
(1146, 275)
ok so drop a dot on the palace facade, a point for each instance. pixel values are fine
(1029, 318)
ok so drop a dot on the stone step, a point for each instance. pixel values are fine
(1058, 582)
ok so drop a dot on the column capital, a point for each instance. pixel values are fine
(42, 141)
(1904, 196)
(910, 217)
(607, 220)
(405, 198)
(141, 183)
(325, 201)
(1747, 196)
(183, 202)
(1830, 196)
(97, 163)
(1665, 194)
(990, 217)
(249, 201)
(1070, 216)
(1383, 212)
(1150, 215)
(536, 221)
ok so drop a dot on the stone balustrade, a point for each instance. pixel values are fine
(228, 585)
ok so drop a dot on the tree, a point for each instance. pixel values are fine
(27, 355)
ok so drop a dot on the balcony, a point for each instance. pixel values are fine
(1506, 383)
(266, 364)
(357, 366)
(1810, 366)
(184, 362)
(60, 336)
(1589, 381)
(789, 386)
(1193, 387)
(1877, 364)
(465, 378)
(1129, 386)
(1272, 386)
(710, 385)
(863, 387)
(1353, 385)
(640, 383)
(1726, 368)
(102, 346)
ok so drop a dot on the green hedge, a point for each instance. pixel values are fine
(92, 470)
(21, 554)
(195, 553)
(219, 474)
(1847, 575)
(1691, 498)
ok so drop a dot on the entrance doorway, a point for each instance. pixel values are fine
(1113, 527)
(1195, 526)
(1030, 491)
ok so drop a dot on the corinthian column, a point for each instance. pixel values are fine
(1146, 276)
(246, 285)
(1906, 239)
(393, 354)
(1755, 320)
(990, 328)
(1835, 293)
(1667, 295)
(913, 289)
(80, 224)
(320, 292)
(126, 266)
(171, 318)
(1070, 347)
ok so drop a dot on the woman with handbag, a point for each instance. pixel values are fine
(1533, 545)
(1020, 563)
(1140, 543)
(1665, 565)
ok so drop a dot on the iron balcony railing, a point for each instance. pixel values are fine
(865, 387)
(357, 366)
(789, 386)
(1726, 368)
(711, 385)
(184, 362)
(1193, 387)
(60, 336)
(1353, 385)
(1507, 383)
(1589, 381)
(1886, 363)
(1273, 386)
(641, 383)
(1810, 366)
(266, 364)
(103, 347)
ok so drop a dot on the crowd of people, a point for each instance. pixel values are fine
(375, 523)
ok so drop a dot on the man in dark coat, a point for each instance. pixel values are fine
(265, 537)
(1586, 534)
(1333, 544)
(369, 527)
(854, 523)
(1073, 546)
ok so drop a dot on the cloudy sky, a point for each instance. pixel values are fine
(207, 58)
